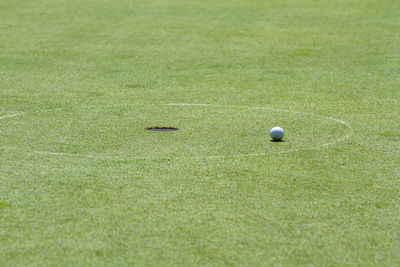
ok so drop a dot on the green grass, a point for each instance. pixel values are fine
(82, 182)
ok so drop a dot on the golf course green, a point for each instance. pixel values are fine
(83, 182)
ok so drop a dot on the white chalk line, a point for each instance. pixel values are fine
(11, 116)
(337, 140)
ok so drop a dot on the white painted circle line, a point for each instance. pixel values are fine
(11, 116)
(341, 139)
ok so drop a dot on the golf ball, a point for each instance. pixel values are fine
(277, 133)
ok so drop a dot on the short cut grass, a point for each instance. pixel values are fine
(83, 183)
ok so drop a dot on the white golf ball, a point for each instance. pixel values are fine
(277, 133)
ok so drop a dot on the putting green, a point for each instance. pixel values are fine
(204, 131)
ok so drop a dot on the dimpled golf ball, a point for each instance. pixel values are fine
(277, 133)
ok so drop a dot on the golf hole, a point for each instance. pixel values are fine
(161, 129)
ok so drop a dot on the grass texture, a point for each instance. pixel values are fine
(83, 183)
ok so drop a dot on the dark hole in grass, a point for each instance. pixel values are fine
(277, 141)
(161, 129)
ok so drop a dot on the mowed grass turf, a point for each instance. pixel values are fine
(83, 183)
